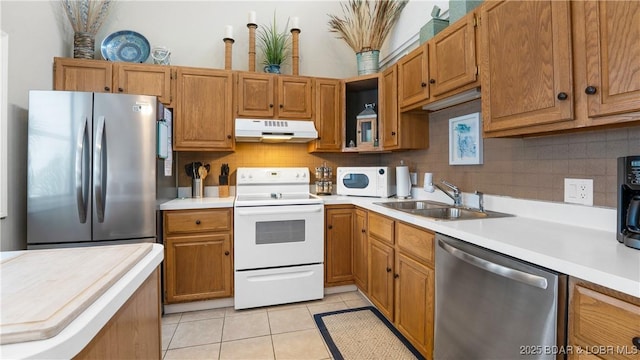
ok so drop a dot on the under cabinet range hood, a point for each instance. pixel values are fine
(275, 131)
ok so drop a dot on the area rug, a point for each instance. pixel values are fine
(363, 333)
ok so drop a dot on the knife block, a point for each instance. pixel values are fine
(223, 191)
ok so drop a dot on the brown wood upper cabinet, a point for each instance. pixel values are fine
(526, 64)
(579, 66)
(113, 77)
(274, 96)
(444, 66)
(204, 110)
(612, 59)
(327, 115)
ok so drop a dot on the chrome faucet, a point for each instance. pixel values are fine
(457, 197)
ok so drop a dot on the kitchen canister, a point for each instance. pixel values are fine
(403, 181)
(197, 188)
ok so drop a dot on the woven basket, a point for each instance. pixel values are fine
(83, 45)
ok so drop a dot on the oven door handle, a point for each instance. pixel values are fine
(273, 211)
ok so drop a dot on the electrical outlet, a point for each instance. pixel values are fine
(578, 191)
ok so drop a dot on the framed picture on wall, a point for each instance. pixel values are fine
(465, 140)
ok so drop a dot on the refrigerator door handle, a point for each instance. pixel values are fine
(99, 170)
(81, 198)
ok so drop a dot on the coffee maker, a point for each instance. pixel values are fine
(629, 201)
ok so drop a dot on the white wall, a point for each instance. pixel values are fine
(192, 29)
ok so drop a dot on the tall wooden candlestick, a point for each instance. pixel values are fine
(228, 43)
(252, 46)
(294, 51)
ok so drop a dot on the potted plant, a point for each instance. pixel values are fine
(364, 28)
(275, 46)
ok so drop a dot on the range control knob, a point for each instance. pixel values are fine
(381, 171)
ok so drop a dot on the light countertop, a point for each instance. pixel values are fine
(198, 203)
(575, 240)
(103, 304)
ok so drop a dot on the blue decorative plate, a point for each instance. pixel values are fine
(125, 45)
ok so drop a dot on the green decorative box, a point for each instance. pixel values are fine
(431, 28)
(459, 8)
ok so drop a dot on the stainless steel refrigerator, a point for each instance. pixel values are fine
(91, 169)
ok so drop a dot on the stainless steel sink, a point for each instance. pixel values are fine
(440, 211)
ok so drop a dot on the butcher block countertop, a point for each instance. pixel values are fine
(55, 301)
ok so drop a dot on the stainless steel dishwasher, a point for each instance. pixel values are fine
(491, 306)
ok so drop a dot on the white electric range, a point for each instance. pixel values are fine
(278, 238)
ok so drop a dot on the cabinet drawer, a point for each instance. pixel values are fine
(603, 320)
(416, 242)
(189, 221)
(381, 227)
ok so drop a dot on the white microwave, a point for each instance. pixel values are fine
(376, 181)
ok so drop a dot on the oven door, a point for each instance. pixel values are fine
(274, 236)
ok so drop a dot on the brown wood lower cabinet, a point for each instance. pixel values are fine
(402, 278)
(198, 254)
(134, 331)
(338, 268)
(360, 251)
(602, 323)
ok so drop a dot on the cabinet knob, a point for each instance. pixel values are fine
(563, 96)
(270, 105)
(432, 81)
(388, 269)
(330, 227)
(590, 90)
(319, 138)
(228, 136)
(198, 222)
(226, 253)
(423, 84)
(393, 133)
(281, 106)
(636, 342)
(106, 88)
(396, 276)
(363, 231)
(120, 89)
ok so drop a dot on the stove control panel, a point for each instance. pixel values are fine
(253, 176)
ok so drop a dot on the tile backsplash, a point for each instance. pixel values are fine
(529, 168)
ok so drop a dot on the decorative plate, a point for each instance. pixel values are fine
(125, 45)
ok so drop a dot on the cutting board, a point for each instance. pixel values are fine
(45, 290)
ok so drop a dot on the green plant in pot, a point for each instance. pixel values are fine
(275, 46)
(364, 27)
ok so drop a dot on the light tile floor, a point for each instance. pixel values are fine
(274, 332)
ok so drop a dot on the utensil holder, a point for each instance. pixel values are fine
(197, 188)
(223, 191)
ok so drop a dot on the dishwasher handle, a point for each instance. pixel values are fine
(521, 276)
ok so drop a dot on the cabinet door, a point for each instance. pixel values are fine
(204, 120)
(82, 75)
(452, 57)
(143, 79)
(526, 64)
(198, 267)
(413, 73)
(414, 303)
(255, 95)
(328, 108)
(381, 276)
(360, 250)
(613, 57)
(294, 97)
(339, 246)
(389, 114)
(598, 320)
